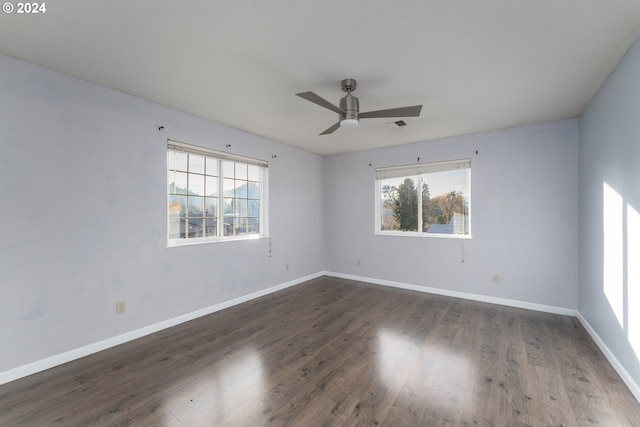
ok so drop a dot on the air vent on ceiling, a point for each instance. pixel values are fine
(397, 124)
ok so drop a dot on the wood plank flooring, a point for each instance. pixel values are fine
(335, 352)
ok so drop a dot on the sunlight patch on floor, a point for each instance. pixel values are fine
(226, 391)
(425, 372)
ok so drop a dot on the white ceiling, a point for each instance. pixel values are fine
(474, 65)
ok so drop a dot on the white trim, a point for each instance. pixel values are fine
(396, 233)
(456, 294)
(176, 243)
(77, 353)
(613, 360)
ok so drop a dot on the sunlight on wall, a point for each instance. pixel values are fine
(423, 372)
(633, 277)
(613, 251)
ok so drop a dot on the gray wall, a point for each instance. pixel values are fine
(524, 217)
(609, 232)
(83, 208)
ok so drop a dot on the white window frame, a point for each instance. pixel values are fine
(221, 157)
(415, 171)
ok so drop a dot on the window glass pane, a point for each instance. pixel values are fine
(211, 186)
(405, 202)
(240, 207)
(253, 208)
(196, 164)
(196, 206)
(253, 190)
(241, 189)
(176, 228)
(254, 173)
(177, 206)
(180, 183)
(228, 207)
(211, 207)
(229, 225)
(253, 225)
(445, 207)
(387, 204)
(195, 227)
(212, 166)
(181, 161)
(241, 226)
(241, 171)
(228, 169)
(171, 159)
(211, 227)
(171, 182)
(228, 187)
(196, 184)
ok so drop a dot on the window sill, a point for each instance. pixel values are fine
(424, 235)
(177, 243)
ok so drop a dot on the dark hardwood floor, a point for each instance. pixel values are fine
(334, 352)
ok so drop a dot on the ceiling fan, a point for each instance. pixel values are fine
(349, 109)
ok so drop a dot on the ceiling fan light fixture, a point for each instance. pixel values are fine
(348, 123)
(349, 109)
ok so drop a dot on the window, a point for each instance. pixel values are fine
(213, 196)
(424, 200)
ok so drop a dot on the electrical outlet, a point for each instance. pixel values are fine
(121, 307)
(495, 278)
(358, 262)
(286, 266)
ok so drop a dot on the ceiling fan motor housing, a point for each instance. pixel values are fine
(350, 105)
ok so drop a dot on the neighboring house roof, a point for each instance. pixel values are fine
(441, 228)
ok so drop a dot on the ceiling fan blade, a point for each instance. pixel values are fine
(413, 111)
(316, 99)
(331, 129)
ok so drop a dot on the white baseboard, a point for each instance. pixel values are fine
(456, 294)
(68, 356)
(628, 380)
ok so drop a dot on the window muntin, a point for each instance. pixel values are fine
(213, 196)
(429, 199)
